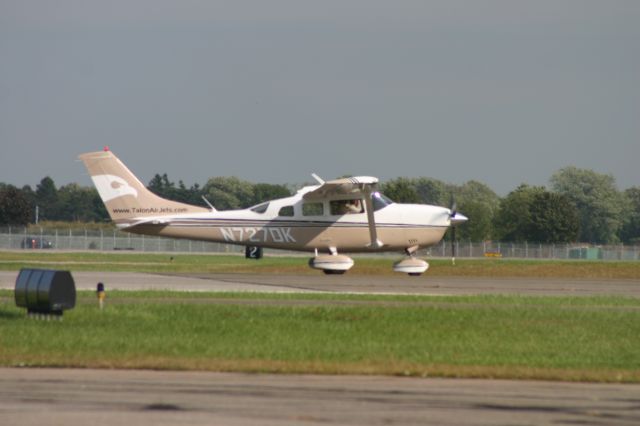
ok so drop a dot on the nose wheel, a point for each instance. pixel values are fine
(331, 264)
(411, 265)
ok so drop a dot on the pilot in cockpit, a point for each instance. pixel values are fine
(354, 206)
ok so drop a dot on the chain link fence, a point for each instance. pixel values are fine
(102, 240)
(74, 239)
(535, 251)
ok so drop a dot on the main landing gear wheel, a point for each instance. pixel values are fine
(412, 266)
(331, 264)
(333, 272)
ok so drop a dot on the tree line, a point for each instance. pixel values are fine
(580, 204)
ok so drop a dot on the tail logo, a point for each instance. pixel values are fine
(110, 187)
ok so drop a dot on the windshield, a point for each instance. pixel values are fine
(380, 201)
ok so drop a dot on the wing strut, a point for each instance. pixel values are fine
(373, 231)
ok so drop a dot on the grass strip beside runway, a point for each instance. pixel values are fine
(559, 338)
(215, 263)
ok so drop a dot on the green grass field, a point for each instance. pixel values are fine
(192, 263)
(554, 338)
(587, 339)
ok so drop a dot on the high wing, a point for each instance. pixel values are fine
(359, 186)
(344, 186)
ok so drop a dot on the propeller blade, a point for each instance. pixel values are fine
(454, 206)
(454, 217)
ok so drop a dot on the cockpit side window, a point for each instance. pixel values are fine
(342, 207)
(260, 208)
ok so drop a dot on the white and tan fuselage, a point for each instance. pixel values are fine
(399, 226)
(344, 215)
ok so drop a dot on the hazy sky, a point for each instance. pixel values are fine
(503, 92)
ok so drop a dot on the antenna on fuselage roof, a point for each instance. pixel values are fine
(213, 209)
(318, 178)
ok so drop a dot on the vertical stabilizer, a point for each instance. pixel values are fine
(124, 196)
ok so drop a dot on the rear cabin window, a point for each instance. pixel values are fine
(312, 209)
(286, 211)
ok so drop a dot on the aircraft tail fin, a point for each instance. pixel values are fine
(125, 197)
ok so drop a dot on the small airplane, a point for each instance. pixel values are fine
(347, 215)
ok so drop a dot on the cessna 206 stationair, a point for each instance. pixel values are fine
(339, 216)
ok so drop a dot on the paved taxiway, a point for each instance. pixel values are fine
(399, 284)
(98, 397)
(430, 285)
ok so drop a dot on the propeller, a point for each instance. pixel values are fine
(454, 208)
(454, 217)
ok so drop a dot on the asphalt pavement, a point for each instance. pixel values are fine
(397, 284)
(69, 397)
